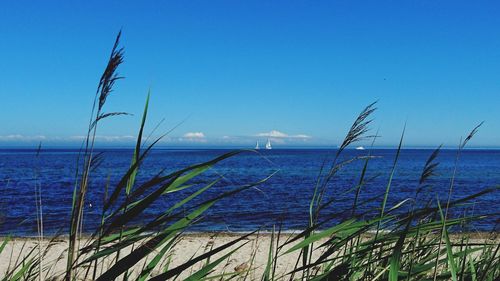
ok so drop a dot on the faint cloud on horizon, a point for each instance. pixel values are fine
(281, 135)
(21, 138)
(188, 138)
(194, 135)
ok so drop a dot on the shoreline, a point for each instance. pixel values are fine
(472, 234)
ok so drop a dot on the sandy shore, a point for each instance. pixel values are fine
(252, 257)
(254, 252)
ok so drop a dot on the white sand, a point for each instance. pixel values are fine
(254, 253)
(256, 248)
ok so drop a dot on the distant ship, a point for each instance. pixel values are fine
(360, 148)
(257, 145)
(268, 144)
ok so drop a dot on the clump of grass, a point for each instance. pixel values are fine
(409, 240)
(394, 246)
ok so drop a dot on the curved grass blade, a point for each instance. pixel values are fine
(203, 272)
(146, 271)
(142, 251)
(4, 243)
(449, 252)
(179, 269)
(395, 260)
(318, 236)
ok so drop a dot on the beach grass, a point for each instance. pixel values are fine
(415, 239)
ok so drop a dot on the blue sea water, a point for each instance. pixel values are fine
(284, 198)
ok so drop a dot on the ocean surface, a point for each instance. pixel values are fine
(284, 198)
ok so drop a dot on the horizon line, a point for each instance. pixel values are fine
(222, 147)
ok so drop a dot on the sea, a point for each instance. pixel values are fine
(282, 200)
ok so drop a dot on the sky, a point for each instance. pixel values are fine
(230, 73)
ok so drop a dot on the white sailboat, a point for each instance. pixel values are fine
(360, 148)
(257, 145)
(268, 144)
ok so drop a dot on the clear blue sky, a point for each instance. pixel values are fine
(237, 70)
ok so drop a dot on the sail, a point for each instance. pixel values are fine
(257, 145)
(268, 144)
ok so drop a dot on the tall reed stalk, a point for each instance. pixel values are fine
(104, 89)
(39, 212)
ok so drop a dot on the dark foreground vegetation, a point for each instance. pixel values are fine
(411, 245)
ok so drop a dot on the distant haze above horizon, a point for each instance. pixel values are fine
(233, 73)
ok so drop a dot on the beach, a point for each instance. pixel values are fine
(250, 260)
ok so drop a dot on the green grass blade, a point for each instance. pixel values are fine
(146, 271)
(179, 269)
(22, 271)
(472, 268)
(204, 271)
(192, 196)
(135, 256)
(388, 187)
(320, 235)
(269, 264)
(395, 262)
(449, 252)
(4, 243)
(135, 158)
